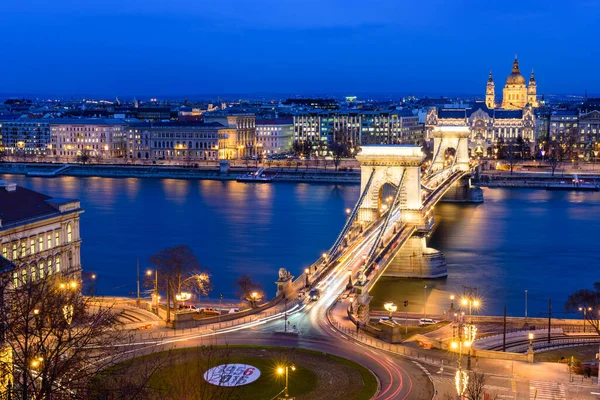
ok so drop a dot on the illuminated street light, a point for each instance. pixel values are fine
(584, 312)
(280, 371)
(307, 273)
(391, 308)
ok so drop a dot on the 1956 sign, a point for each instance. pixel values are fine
(232, 375)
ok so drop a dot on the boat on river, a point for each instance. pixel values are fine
(256, 176)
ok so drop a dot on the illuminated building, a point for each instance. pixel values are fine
(39, 235)
(97, 138)
(239, 138)
(274, 135)
(30, 137)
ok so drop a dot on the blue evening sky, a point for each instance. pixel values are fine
(192, 47)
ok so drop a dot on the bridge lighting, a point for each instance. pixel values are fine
(391, 308)
(348, 211)
(454, 345)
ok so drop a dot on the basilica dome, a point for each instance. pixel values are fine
(515, 78)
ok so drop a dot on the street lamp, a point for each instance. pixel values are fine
(351, 305)
(470, 329)
(281, 371)
(424, 301)
(391, 308)
(254, 295)
(155, 295)
(307, 273)
(584, 310)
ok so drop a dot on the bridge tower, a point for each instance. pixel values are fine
(451, 137)
(390, 165)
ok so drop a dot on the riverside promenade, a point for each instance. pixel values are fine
(305, 173)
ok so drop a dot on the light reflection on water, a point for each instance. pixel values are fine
(518, 239)
(232, 227)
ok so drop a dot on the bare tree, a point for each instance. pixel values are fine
(587, 302)
(248, 290)
(59, 339)
(339, 150)
(179, 271)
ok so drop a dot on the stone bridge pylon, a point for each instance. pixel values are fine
(450, 137)
(391, 166)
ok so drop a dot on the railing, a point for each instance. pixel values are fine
(351, 217)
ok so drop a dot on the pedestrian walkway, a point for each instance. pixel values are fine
(543, 390)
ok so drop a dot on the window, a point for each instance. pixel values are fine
(41, 270)
(57, 239)
(32, 246)
(23, 249)
(57, 264)
(4, 252)
(23, 276)
(41, 243)
(15, 279)
(14, 251)
(69, 233)
(49, 266)
(49, 241)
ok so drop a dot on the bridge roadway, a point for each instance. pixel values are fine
(398, 377)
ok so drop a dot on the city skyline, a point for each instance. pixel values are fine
(268, 47)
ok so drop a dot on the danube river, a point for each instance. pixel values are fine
(543, 242)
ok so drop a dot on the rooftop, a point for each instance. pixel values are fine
(19, 204)
(87, 121)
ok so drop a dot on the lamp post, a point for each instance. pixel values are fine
(461, 378)
(307, 273)
(470, 329)
(137, 302)
(424, 301)
(281, 371)
(525, 305)
(155, 295)
(351, 305)
(254, 295)
(583, 310)
(391, 308)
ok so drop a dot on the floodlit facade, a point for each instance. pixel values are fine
(39, 235)
(239, 139)
(97, 138)
(274, 136)
(25, 136)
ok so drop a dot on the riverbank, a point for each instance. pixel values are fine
(300, 175)
(495, 179)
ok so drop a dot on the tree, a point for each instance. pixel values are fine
(338, 151)
(179, 271)
(586, 301)
(59, 339)
(84, 156)
(248, 290)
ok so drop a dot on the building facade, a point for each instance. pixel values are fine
(274, 136)
(97, 138)
(30, 137)
(180, 142)
(239, 139)
(488, 127)
(357, 127)
(39, 235)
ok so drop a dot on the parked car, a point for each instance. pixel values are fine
(387, 319)
(426, 321)
(233, 310)
(210, 311)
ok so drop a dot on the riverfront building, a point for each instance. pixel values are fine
(39, 235)
(356, 127)
(174, 141)
(274, 135)
(25, 137)
(94, 138)
(239, 140)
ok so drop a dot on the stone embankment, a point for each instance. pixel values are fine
(308, 175)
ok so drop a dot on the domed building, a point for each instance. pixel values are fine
(515, 95)
(491, 123)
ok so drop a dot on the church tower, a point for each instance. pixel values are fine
(532, 92)
(490, 94)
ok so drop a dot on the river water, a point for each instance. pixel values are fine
(519, 239)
